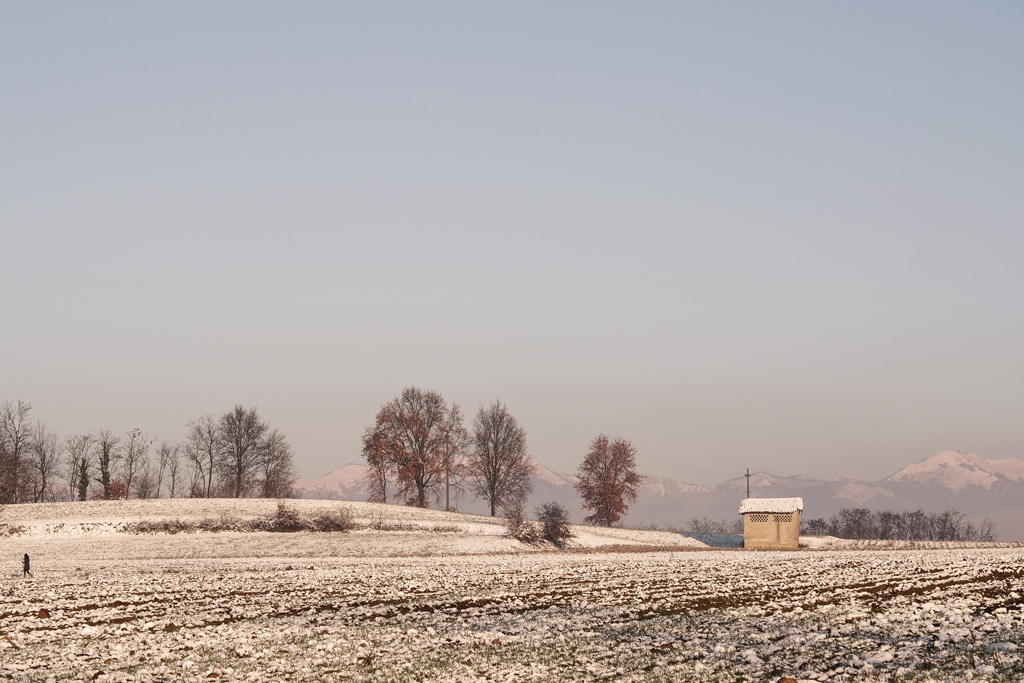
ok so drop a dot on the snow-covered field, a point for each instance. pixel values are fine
(57, 530)
(244, 607)
(833, 543)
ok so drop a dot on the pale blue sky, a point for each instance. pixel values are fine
(782, 236)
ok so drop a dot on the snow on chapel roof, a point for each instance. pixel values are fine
(771, 505)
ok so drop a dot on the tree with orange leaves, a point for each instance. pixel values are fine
(411, 442)
(607, 480)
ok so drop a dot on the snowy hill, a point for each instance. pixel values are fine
(975, 486)
(49, 531)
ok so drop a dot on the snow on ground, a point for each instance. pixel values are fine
(270, 607)
(833, 543)
(387, 529)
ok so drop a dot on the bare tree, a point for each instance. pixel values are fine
(15, 444)
(277, 468)
(173, 471)
(7, 476)
(498, 467)
(379, 466)
(704, 525)
(408, 438)
(144, 483)
(173, 475)
(107, 456)
(607, 480)
(76, 466)
(46, 454)
(201, 449)
(241, 448)
(166, 453)
(456, 444)
(886, 522)
(135, 454)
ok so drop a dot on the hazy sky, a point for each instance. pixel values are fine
(788, 237)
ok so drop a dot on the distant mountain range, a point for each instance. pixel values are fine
(950, 479)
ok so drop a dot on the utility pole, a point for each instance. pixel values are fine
(748, 482)
(447, 469)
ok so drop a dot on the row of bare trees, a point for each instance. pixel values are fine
(237, 456)
(909, 525)
(30, 455)
(417, 448)
(234, 455)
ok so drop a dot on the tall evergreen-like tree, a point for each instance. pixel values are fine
(79, 451)
(83, 478)
(106, 460)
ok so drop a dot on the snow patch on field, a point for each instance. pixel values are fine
(833, 543)
(386, 530)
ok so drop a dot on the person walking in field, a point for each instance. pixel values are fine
(26, 567)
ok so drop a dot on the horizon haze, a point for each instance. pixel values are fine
(781, 237)
(978, 488)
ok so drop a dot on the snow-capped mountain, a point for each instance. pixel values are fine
(960, 471)
(950, 479)
(347, 482)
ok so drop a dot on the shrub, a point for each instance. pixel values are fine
(518, 527)
(554, 520)
(339, 520)
(7, 530)
(285, 519)
(379, 523)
